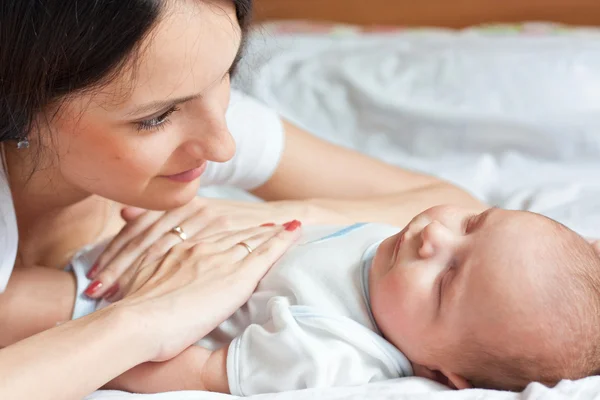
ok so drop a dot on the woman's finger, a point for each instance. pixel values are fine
(130, 247)
(215, 244)
(131, 230)
(188, 228)
(254, 266)
(134, 277)
(233, 236)
(216, 225)
(241, 247)
(252, 237)
(143, 273)
(131, 213)
(197, 226)
(227, 248)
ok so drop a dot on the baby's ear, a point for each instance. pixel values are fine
(456, 381)
(424, 372)
(449, 379)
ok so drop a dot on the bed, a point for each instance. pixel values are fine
(442, 13)
(500, 98)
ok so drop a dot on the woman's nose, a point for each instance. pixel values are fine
(215, 144)
(436, 240)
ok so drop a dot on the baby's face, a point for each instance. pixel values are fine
(453, 274)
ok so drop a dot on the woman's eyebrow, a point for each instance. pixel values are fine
(160, 105)
(155, 106)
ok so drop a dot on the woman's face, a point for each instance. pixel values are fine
(145, 138)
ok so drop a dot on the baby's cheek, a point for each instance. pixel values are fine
(396, 309)
(402, 301)
(408, 333)
(410, 315)
(419, 302)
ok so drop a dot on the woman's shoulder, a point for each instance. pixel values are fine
(9, 236)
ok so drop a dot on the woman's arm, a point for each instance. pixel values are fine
(353, 185)
(311, 167)
(394, 209)
(74, 359)
(35, 299)
(38, 299)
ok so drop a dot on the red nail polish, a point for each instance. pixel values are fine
(287, 224)
(269, 224)
(292, 226)
(112, 291)
(94, 286)
(92, 272)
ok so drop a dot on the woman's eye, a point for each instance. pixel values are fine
(157, 122)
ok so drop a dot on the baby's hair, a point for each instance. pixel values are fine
(569, 340)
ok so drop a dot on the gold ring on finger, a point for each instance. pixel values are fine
(180, 233)
(247, 246)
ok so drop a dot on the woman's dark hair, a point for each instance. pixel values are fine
(52, 48)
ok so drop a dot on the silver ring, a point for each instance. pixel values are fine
(250, 250)
(180, 233)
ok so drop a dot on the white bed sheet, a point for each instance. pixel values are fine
(514, 120)
(401, 389)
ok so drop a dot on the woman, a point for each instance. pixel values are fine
(112, 103)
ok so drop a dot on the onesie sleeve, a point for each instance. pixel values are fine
(259, 137)
(298, 349)
(80, 265)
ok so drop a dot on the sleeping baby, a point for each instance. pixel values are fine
(492, 300)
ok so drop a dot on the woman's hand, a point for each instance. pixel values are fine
(198, 285)
(150, 235)
(172, 303)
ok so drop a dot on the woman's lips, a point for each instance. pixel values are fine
(188, 176)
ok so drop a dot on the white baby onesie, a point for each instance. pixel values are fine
(309, 323)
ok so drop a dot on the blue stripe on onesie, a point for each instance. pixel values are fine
(339, 233)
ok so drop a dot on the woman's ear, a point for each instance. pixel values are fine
(449, 379)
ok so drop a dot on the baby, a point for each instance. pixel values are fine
(493, 300)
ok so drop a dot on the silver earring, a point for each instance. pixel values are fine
(23, 143)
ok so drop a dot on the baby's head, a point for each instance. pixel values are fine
(495, 299)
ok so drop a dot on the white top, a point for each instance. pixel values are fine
(308, 323)
(9, 238)
(259, 137)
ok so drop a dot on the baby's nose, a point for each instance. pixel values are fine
(415, 227)
(435, 238)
